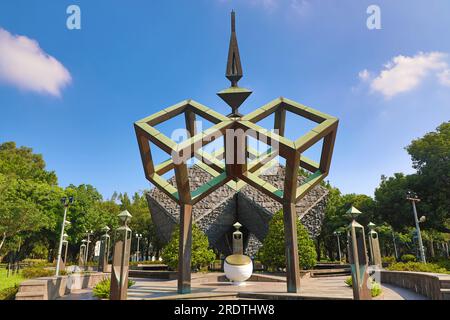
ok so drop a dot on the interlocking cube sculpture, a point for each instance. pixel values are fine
(242, 164)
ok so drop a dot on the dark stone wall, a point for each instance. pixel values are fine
(216, 213)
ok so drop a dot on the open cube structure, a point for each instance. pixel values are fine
(236, 164)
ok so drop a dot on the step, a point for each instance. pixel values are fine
(445, 284)
(331, 270)
(321, 266)
(30, 296)
(24, 287)
(445, 294)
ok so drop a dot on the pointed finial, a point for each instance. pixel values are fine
(233, 21)
(234, 68)
(234, 96)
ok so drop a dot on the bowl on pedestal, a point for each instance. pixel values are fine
(238, 268)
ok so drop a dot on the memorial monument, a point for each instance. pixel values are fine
(238, 267)
(236, 165)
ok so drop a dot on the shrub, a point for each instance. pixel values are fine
(36, 262)
(201, 256)
(443, 263)
(36, 272)
(102, 289)
(408, 258)
(375, 289)
(146, 262)
(349, 281)
(9, 293)
(389, 260)
(417, 267)
(272, 253)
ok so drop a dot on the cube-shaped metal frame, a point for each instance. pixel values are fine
(326, 130)
(146, 133)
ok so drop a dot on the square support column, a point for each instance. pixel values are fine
(290, 223)
(185, 249)
(185, 239)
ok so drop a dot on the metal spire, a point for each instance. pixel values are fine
(234, 96)
(234, 67)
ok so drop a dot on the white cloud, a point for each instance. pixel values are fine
(25, 65)
(364, 75)
(403, 73)
(301, 7)
(444, 77)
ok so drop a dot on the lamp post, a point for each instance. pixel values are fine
(104, 250)
(150, 249)
(337, 233)
(88, 233)
(119, 272)
(138, 237)
(411, 196)
(82, 253)
(66, 243)
(65, 202)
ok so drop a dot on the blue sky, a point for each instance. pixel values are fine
(133, 58)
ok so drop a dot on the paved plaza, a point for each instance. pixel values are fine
(203, 287)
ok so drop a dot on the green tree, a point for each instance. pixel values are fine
(201, 256)
(272, 253)
(22, 163)
(431, 158)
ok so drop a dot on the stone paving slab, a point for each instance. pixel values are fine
(311, 288)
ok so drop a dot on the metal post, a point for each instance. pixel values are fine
(137, 251)
(419, 236)
(58, 260)
(339, 247)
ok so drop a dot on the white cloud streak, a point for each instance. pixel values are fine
(403, 74)
(25, 65)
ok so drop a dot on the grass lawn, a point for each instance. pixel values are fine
(6, 282)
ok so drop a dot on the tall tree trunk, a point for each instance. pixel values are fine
(3, 240)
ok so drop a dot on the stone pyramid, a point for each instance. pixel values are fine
(216, 213)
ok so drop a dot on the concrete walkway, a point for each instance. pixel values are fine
(311, 288)
(204, 288)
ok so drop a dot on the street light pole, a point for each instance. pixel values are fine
(413, 198)
(339, 245)
(138, 236)
(66, 206)
(89, 233)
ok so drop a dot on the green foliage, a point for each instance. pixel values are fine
(201, 257)
(272, 253)
(443, 263)
(37, 272)
(431, 157)
(147, 262)
(11, 280)
(103, 288)
(349, 281)
(36, 262)
(22, 164)
(375, 287)
(417, 267)
(9, 293)
(408, 258)
(389, 259)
